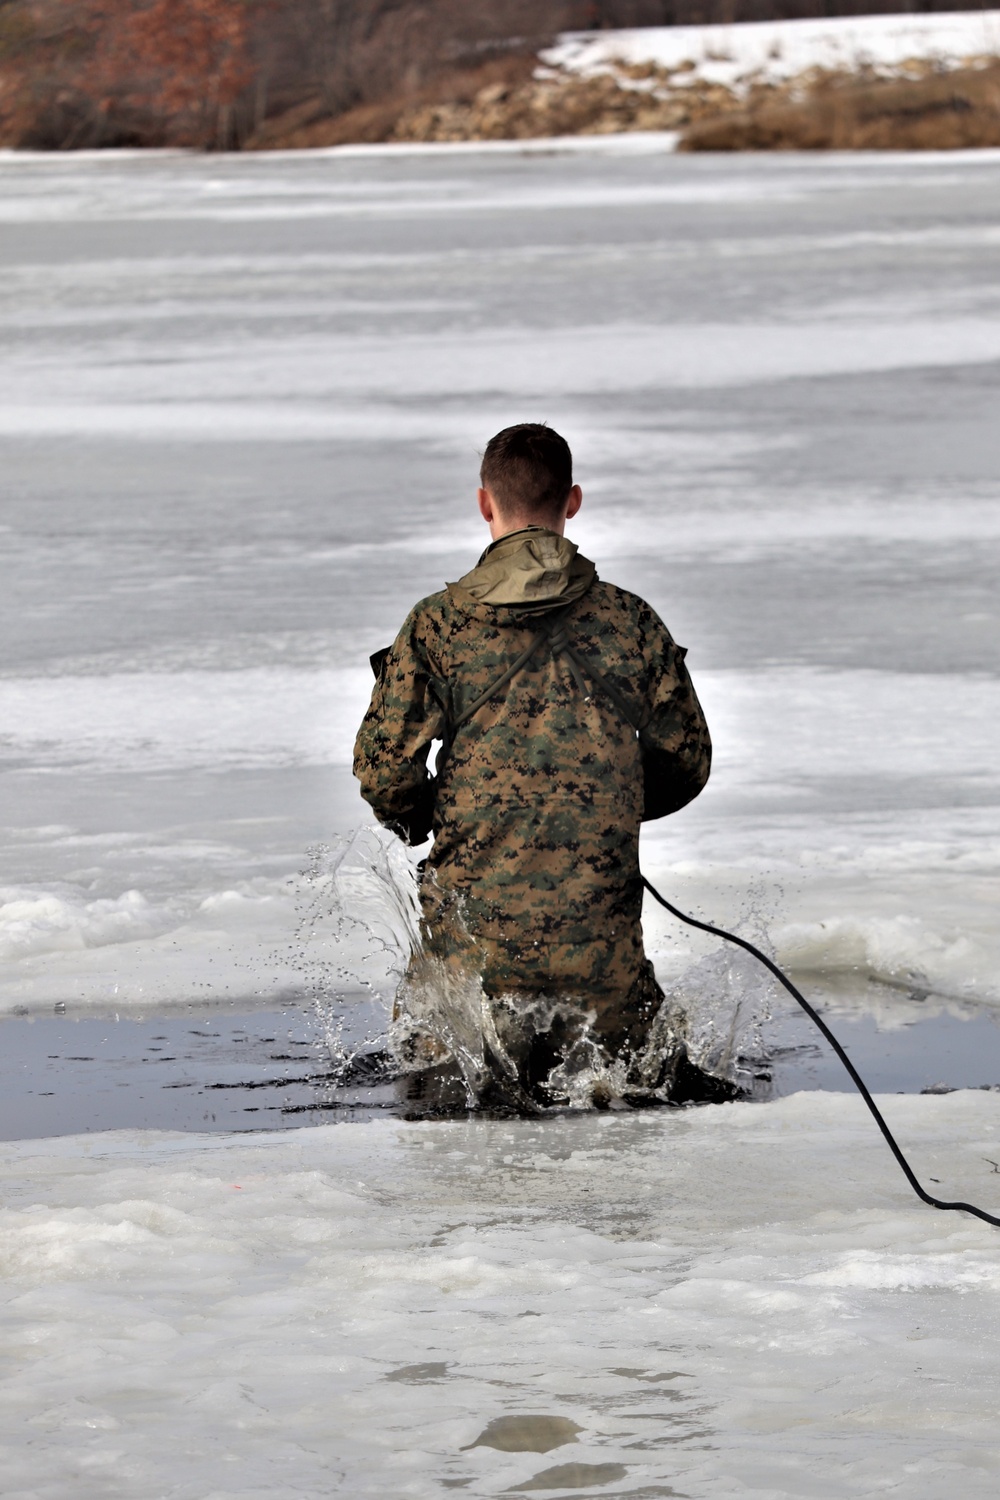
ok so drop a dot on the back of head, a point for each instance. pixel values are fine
(528, 470)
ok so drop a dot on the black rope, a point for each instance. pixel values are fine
(730, 937)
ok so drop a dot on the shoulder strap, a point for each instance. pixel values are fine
(561, 645)
(512, 670)
(556, 633)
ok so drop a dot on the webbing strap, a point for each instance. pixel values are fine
(556, 633)
(602, 682)
(504, 678)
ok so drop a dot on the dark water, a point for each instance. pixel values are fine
(190, 1070)
(218, 1069)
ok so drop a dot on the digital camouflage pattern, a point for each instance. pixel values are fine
(537, 806)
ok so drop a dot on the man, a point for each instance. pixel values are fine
(566, 717)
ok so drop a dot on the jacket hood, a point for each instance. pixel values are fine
(534, 570)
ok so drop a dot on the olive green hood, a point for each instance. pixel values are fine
(533, 569)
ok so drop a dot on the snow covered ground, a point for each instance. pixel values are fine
(735, 1301)
(777, 51)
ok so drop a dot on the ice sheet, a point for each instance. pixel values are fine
(243, 403)
(136, 398)
(243, 400)
(890, 731)
(158, 721)
(731, 1300)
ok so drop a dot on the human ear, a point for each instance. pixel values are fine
(486, 507)
(574, 502)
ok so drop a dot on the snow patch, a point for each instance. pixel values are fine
(138, 950)
(773, 52)
(34, 922)
(896, 950)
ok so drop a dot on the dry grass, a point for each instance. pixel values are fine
(939, 112)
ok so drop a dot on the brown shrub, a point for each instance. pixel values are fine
(126, 72)
(940, 112)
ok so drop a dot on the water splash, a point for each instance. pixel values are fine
(724, 1001)
(359, 916)
(376, 991)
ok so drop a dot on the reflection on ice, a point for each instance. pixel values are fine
(527, 1434)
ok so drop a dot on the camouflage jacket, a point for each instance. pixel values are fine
(538, 797)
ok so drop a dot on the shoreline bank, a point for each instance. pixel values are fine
(897, 82)
(894, 82)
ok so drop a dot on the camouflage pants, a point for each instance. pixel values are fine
(444, 1015)
(534, 1027)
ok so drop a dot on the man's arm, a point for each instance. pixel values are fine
(675, 743)
(390, 753)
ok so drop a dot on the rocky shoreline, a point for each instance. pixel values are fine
(927, 108)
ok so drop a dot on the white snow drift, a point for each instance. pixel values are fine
(776, 51)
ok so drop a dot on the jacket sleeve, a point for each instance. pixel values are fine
(675, 744)
(390, 753)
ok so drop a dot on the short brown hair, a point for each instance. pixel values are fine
(528, 469)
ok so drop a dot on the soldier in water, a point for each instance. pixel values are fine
(566, 718)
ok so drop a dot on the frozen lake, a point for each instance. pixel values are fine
(241, 406)
(242, 403)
